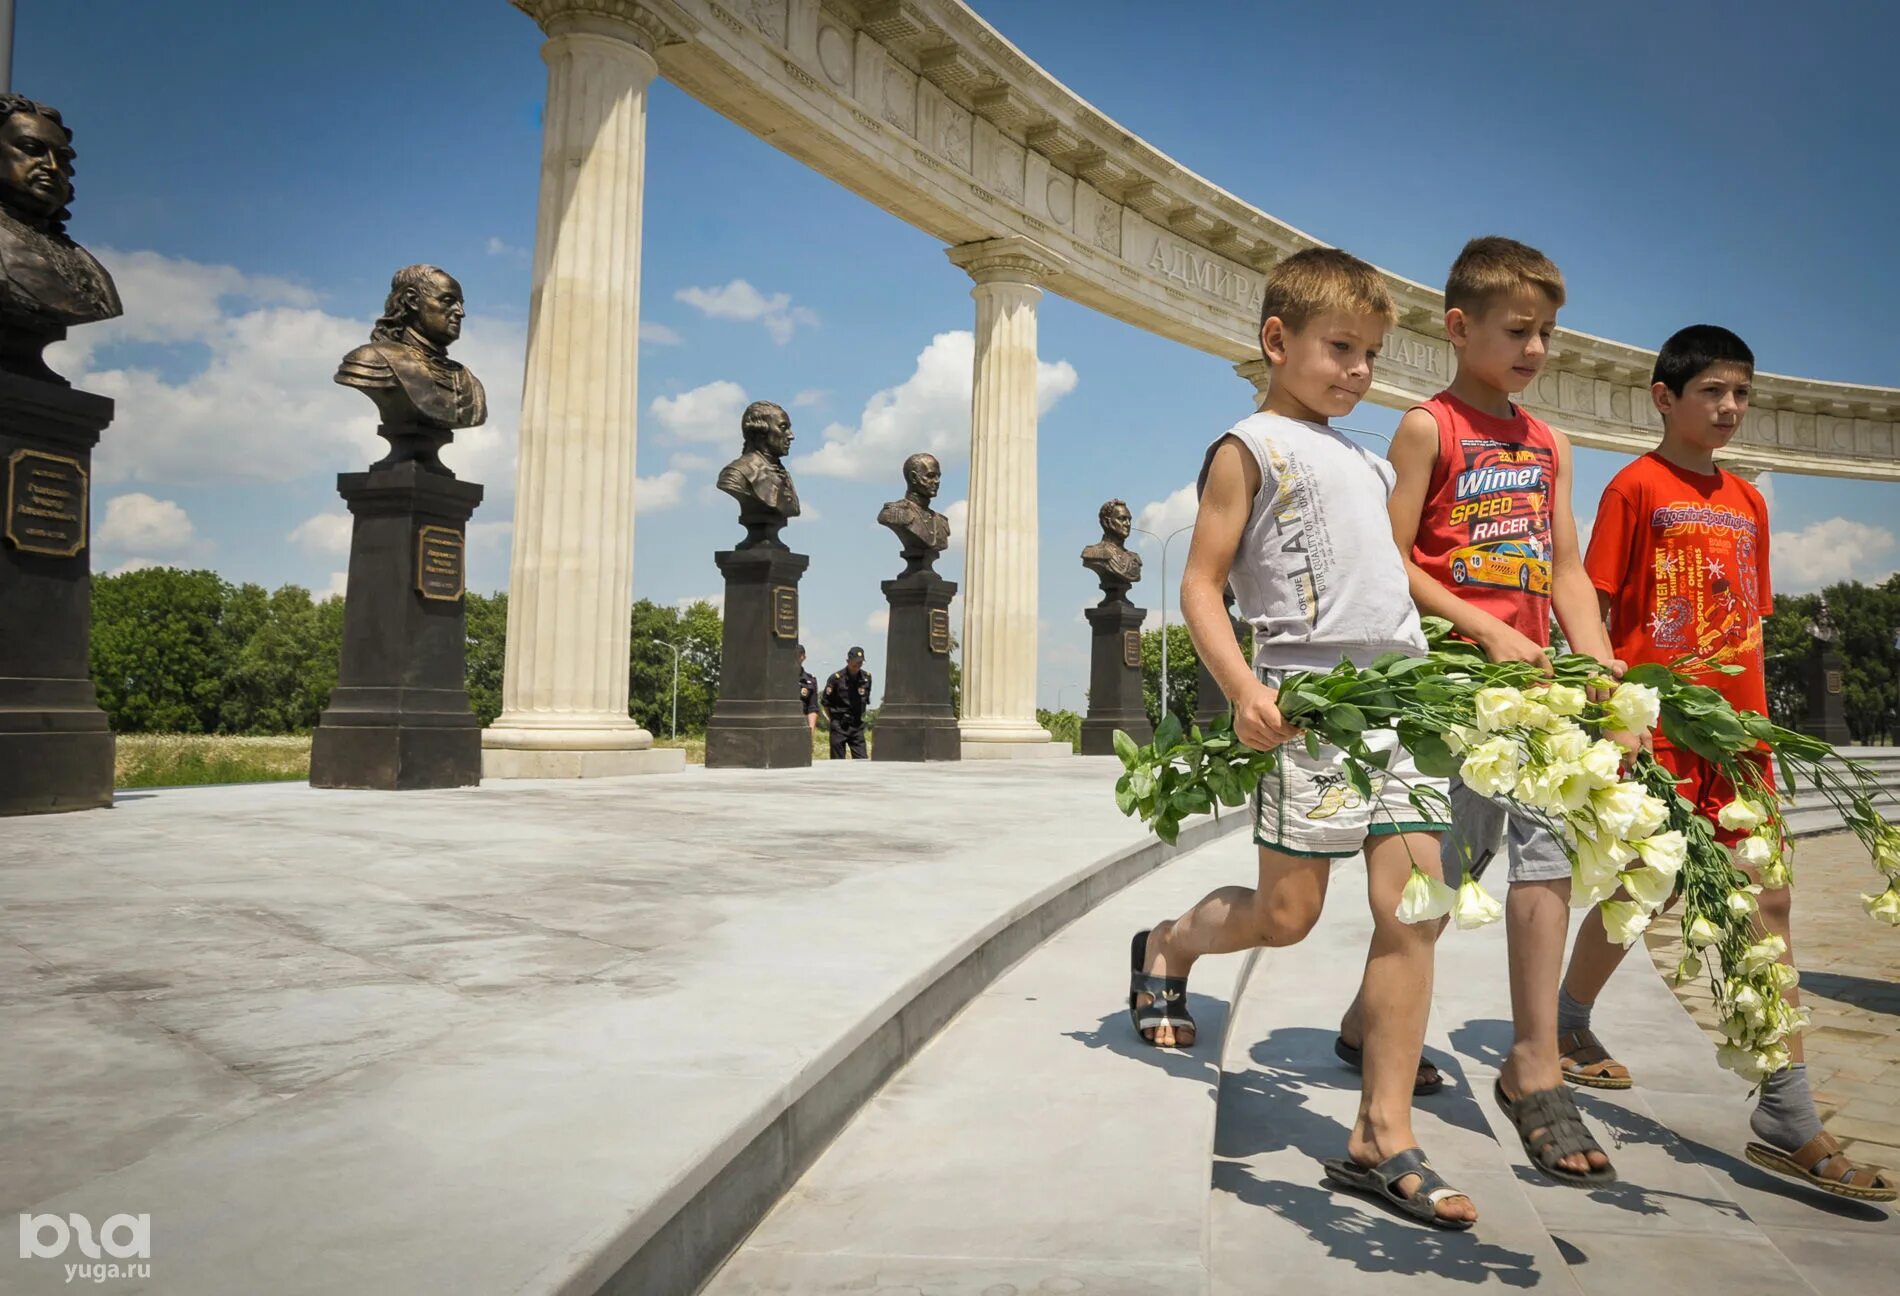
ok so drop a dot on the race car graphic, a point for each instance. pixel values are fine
(1509, 563)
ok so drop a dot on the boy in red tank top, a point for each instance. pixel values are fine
(1481, 510)
(1679, 557)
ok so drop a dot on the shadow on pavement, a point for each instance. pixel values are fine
(1860, 992)
(1200, 1061)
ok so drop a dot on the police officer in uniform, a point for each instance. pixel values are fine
(847, 694)
(807, 692)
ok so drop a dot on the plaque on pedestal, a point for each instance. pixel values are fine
(1115, 697)
(758, 721)
(916, 721)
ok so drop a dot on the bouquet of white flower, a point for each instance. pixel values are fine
(1538, 741)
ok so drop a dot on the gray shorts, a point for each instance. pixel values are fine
(1480, 825)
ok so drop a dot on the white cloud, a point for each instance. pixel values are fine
(930, 410)
(1164, 516)
(498, 247)
(338, 587)
(708, 413)
(686, 462)
(653, 493)
(809, 397)
(241, 390)
(325, 533)
(739, 300)
(132, 565)
(958, 511)
(1837, 549)
(879, 620)
(717, 600)
(658, 334)
(139, 524)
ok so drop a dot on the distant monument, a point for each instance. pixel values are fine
(55, 745)
(757, 721)
(917, 721)
(399, 717)
(1827, 703)
(1115, 697)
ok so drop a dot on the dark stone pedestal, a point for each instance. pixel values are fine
(55, 745)
(916, 722)
(1827, 709)
(399, 717)
(1210, 704)
(758, 723)
(1115, 700)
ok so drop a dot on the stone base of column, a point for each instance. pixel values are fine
(915, 721)
(523, 763)
(987, 750)
(399, 717)
(758, 722)
(55, 746)
(1115, 700)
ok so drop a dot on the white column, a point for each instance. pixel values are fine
(1001, 552)
(564, 687)
(1259, 373)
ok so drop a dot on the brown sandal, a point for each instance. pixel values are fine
(1821, 1164)
(1586, 1062)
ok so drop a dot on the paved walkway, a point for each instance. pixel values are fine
(525, 1038)
(1850, 982)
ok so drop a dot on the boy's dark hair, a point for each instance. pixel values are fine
(1317, 280)
(1494, 266)
(1691, 350)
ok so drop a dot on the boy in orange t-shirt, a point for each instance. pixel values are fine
(1679, 558)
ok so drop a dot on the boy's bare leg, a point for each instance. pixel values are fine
(1281, 910)
(1396, 999)
(1352, 1024)
(1536, 919)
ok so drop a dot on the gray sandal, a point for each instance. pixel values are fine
(1551, 1128)
(1381, 1183)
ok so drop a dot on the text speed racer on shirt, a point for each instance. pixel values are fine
(1502, 562)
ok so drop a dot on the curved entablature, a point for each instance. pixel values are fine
(928, 111)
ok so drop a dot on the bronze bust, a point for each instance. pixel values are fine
(758, 478)
(47, 282)
(1109, 557)
(921, 531)
(422, 395)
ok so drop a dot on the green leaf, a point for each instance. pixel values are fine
(1312, 744)
(1357, 776)
(1654, 674)
(1386, 661)
(1126, 749)
(1167, 733)
(1344, 717)
(1167, 828)
(1124, 798)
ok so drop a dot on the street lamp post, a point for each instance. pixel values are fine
(1164, 602)
(676, 682)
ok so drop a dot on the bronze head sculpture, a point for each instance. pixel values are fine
(922, 532)
(758, 478)
(1109, 558)
(47, 282)
(404, 368)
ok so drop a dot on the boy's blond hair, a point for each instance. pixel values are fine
(1492, 267)
(1318, 280)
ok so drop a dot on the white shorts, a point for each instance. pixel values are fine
(1308, 806)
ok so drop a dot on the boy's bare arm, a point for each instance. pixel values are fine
(1414, 453)
(1572, 597)
(1233, 479)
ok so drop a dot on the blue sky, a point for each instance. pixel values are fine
(254, 173)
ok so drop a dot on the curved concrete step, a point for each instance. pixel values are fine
(1689, 1214)
(1035, 1145)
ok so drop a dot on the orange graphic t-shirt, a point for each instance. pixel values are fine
(1683, 557)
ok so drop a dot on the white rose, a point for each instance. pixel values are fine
(1459, 738)
(1539, 787)
(1424, 898)
(1651, 814)
(1885, 906)
(1535, 715)
(1702, 933)
(1568, 743)
(1565, 699)
(1603, 762)
(1648, 887)
(1887, 850)
(1666, 852)
(1762, 954)
(1574, 785)
(1616, 808)
(1497, 707)
(1741, 815)
(1634, 708)
(1623, 921)
(1474, 906)
(1754, 852)
(1491, 767)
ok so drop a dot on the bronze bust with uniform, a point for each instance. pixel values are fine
(48, 283)
(1109, 557)
(422, 395)
(922, 532)
(758, 478)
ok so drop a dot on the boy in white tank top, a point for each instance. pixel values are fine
(1293, 516)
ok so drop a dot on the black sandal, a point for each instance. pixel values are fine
(1429, 1080)
(1167, 1003)
(1560, 1132)
(1380, 1183)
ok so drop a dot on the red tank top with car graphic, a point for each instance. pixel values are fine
(1484, 533)
(1683, 559)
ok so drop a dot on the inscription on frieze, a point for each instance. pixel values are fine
(940, 631)
(1415, 356)
(1194, 269)
(1131, 649)
(440, 571)
(46, 503)
(785, 611)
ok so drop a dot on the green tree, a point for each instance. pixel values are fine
(282, 666)
(1183, 673)
(160, 651)
(1790, 654)
(697, 631)
(486, 652)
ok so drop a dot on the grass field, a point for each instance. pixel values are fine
(186, 760)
